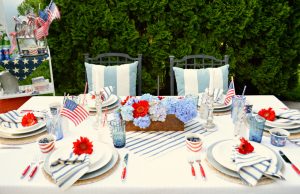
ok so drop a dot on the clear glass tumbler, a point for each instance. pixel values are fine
(238, 114)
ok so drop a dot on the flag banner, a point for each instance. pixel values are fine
(74, 112)
(230, 93)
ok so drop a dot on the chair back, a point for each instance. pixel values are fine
(194, 62)
(110, 59)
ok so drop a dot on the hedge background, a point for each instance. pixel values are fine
(262, 38)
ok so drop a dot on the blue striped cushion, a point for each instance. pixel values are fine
(121, 77)
(194, 81)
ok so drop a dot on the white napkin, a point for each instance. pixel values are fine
(11, 119)
(66, 171)
(218, 94)
(251, 167)
(286, 117)
(106, 92)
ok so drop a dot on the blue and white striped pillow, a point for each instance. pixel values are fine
(121, 77)
(194, 81)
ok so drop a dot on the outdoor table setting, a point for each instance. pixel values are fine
(92, 152)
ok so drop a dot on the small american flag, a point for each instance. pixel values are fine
(74, 112)
(230, 93)
(53, 12)
(42, 31)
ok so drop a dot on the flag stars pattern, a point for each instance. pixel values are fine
(16, 61)
(25, 70)
(21, 68)
(16, 70)
(35, 61)
(25, 61)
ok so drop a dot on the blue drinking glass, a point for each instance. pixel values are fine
(118, 132)
(256, 125)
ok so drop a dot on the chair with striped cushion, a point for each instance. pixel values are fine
(119, 70)
(194, 73)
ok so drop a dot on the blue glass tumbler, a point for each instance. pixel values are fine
(118, 133)
(256, 125)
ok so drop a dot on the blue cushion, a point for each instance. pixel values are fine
(121, 77)
(194, 81)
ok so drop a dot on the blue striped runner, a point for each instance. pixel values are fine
(157, 143)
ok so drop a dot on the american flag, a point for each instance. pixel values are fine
(42, 31)
(53, 12)
(74, 112)
(230, 93)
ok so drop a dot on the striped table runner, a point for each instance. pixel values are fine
(157, 143)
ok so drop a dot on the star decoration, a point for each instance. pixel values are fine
(25, 70)
(25, 61)
(16, 70)
(17, 77)
(16, 61)
(34, 60)
(5, 62)
(25, 77)
(34, 69)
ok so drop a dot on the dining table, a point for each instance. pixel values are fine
(169, 173)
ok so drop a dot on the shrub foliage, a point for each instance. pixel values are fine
(262, 38)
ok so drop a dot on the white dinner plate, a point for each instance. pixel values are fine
(22, 130)
(222, 153)
(281, 125)
(291, 131)
(111, 100)
(227, 171)
(17, 136)
(101, 155)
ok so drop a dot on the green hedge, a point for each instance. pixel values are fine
(261, 37)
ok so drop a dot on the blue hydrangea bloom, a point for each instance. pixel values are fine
(142, 122)
(131, 101)
(149, 97)
(127, 113)
(158, 112)
(170, 104)
(185, 110)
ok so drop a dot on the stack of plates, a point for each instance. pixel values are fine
(283, 121)
(222, 160)
(102, 159)
(111, 103)
(289, 126)
(22, 132)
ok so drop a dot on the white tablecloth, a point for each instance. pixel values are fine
(169, 173)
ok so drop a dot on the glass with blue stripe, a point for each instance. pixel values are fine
(118, 132)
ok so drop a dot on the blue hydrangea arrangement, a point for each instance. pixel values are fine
(149, 108)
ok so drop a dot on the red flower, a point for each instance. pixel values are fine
(245, 147)
(28, 120)
(93, 96)
(124, 101)
(140, 108)
(82, 146)
(160, 97)
(268, 114)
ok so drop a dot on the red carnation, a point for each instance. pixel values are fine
(160, 97)
(245, 147)
(82, 146)
(268, 114)
(28, 120)
(140, 108)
